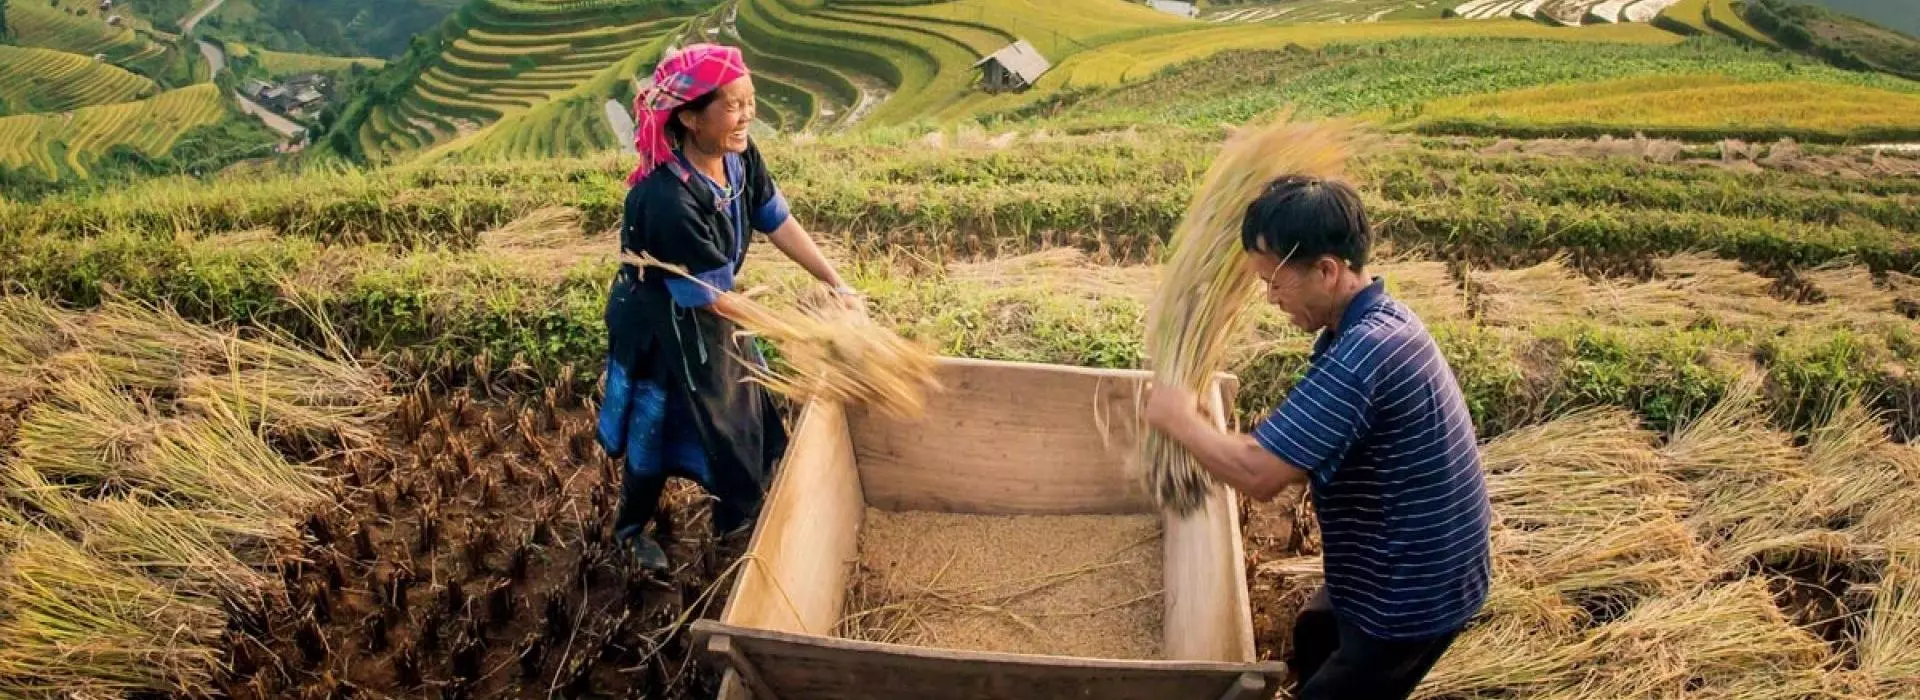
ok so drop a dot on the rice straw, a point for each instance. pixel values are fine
(1203, 297)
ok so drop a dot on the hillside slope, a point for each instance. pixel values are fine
(59, 146)
(35, 24)
(501, 57)
(1845, 41)
(44, 80)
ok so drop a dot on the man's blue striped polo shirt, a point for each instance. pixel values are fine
(1382, 429)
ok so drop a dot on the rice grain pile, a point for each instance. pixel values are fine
(1068, 585)
(831, 352)
(1206, 289)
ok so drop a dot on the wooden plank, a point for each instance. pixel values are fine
(1009, 438)
(805, 667)
(1249, 687)
(1208, 616)
(795, 578)
(721, 646)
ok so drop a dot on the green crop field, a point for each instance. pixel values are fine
(1409, 82)
(70, 142)
(43, 80)
(1683, 105)
(281, 63)
(1139, 59)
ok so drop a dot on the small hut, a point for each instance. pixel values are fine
(1015, 67)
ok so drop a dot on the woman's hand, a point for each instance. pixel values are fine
(792, 239)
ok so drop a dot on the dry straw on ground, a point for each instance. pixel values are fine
(138, 496)
(1206, 288)
(831, 352)
(1072, 585)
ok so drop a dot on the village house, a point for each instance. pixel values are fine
(1014, 67)
(1176, 7)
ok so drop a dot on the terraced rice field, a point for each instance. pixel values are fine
(57, 144)
(282, 63)
(44, 80)
(572, 123)
(507, 59)
(1563, 12)
(1333, 12)
(1140, 58)
(1680, 105)
(37, 25)
(1721, 16)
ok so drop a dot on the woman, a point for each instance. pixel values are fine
(676, 402)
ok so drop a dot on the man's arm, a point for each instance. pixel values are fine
(1234, 458)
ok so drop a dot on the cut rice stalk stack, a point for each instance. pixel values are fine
(72, 621)
(1206, 289)
(829, 351)
(1889, 646)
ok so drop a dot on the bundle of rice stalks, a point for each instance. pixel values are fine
(1721, 637)
(1619, 561)
(830, 352)
(1500, 657)
(1853, 464)
(1889, 644)
(1591, 469)
(204, 550)
(1206, 287)
(69, 620)
(80, 438)
(219, 462)
(29, 334)
(319, 399)
(1745, 476)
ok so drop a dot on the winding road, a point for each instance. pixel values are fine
(191, 22)
(217, 60)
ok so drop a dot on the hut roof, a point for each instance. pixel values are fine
(1021, 59)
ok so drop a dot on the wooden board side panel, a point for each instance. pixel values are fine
(1208, 615)
(794, 576)
(800, 667)
(1008, 437)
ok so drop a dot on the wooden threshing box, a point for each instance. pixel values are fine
(1002, 438)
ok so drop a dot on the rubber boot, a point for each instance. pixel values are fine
(648, 554)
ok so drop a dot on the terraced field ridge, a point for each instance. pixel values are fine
(44, 80)
(66, 144)
(505, 58)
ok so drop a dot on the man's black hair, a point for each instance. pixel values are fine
(677, 131)
(1309, 217)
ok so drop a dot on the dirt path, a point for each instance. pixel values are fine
(216, 59)
(188, 25)
(872, 93)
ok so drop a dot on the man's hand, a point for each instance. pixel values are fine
(1170, 407)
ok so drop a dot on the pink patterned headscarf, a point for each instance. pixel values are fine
(681, 78)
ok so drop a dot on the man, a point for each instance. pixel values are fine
(1379, 430)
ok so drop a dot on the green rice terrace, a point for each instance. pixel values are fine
(321, 424)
